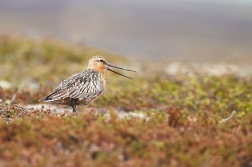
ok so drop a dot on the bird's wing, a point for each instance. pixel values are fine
(86, 84)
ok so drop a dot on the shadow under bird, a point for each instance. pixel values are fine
(84, 87)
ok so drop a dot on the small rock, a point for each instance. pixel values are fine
(5, 84)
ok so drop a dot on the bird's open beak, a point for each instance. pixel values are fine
(109, 69)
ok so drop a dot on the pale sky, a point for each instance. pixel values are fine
(176, 29)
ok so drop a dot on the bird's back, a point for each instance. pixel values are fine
(82, 87)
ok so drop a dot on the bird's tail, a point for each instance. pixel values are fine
(46, 99)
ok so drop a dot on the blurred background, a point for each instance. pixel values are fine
(192, 30)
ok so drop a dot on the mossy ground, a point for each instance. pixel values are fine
(181, 124)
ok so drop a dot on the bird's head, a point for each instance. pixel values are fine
(100, 64)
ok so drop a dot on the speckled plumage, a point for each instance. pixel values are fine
(84, 87)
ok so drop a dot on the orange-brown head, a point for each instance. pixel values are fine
(100, 64)
(97, 63)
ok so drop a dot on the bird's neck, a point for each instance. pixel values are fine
(100, 70)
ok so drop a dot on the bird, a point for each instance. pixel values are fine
(84, 87)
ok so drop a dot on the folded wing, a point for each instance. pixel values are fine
(85, 85)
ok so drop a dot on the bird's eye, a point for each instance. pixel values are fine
(100, 60)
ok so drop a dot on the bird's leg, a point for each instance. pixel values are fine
(72, 104)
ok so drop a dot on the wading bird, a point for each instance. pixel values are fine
(84, 87)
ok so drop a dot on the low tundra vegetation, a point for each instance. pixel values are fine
(169, 120)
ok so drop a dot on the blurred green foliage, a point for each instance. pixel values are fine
(44, 59)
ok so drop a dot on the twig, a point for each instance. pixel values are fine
(13, 98)
(226, 119)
